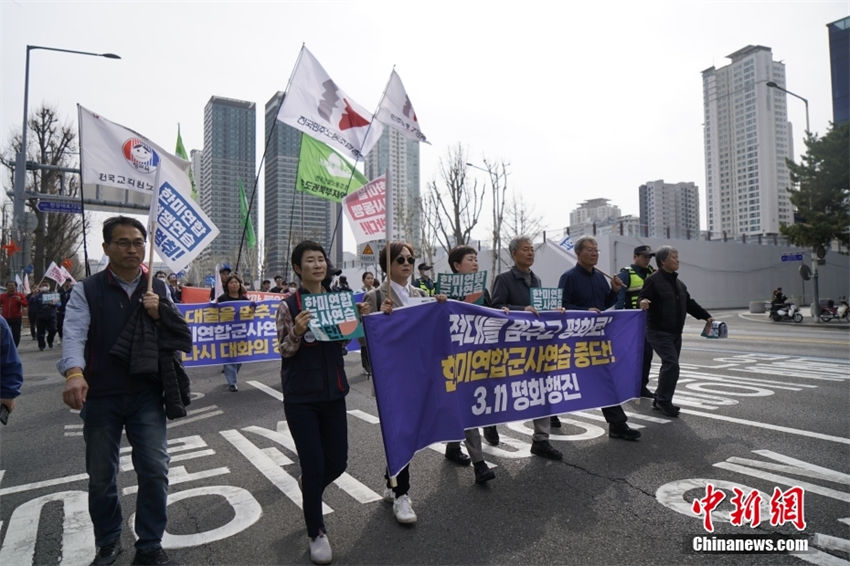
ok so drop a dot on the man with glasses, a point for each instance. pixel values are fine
(512, 290)
(585, 288)
(111, 400)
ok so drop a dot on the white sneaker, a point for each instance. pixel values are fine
(389, 495)
(403, 510)
(320, 550)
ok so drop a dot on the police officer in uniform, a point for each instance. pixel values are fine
(633, 277)
(425, 282)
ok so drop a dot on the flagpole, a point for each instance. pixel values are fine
(154, 212)
(265, 151)
(82, 187)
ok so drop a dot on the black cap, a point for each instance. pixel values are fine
(644, 250)
(225, 267)
(424, 267)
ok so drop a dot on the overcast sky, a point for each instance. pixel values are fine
(583, 100)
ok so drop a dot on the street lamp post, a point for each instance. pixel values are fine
(18, 218)
(815, 260)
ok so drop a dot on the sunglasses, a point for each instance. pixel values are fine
(410, 259)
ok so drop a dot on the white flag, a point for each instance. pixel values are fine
(18, 281)
(118, 158)
(365, 211)
(54, 272)
(26, 286)
(67, 275)
(567, 243)
(315, 105)
(397, 112)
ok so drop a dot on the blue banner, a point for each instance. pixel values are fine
(440, 368)
(231, 332)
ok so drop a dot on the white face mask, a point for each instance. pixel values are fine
(44, 289)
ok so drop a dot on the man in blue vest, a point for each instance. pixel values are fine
(110, 400)
(633, 277)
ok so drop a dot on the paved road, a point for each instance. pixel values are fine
(765, 409)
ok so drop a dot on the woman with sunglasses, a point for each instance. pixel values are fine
(397, 291)
(314, 389)
(233, 291)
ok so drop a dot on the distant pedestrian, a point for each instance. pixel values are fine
(233, 291)
(12, 303)
(45, 318)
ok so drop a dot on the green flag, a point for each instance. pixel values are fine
(180, 151)
(325, 173)
(246, 220)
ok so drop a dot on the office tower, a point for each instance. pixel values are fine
(669, 210)
(228, 157)
(399, 156)
(839, 58)
(747, 139)
(290, 215)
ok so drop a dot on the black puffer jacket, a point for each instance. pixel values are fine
(150, 352)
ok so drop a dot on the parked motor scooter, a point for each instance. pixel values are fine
(787, 311)
(830, 311)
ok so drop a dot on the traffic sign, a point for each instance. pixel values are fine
(62, 206)
(792, 257)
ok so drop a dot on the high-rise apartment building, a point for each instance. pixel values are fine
(839, 58)
(228, 157)
(290, 215)
(669, 210)
(400, 157)
(747, 139)
(591, 214)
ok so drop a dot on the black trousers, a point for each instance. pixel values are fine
(402, 481)
(45, 326)
(320, 432)
(15, 326)
(668, 346)
(647, 363)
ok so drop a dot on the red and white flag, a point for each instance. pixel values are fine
(365, 211)
(67, 275)
(397, 112)
(55, 272)
(315, 105)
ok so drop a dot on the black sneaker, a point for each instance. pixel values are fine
(454, 454)
(544, 449)
(232, 388)
(669, 409)
(554, 422)
(483, 473)
(644, 392)
(623, 432)
(152, 557)
(107, 554)
(491, 435)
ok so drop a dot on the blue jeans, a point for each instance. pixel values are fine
(320, 432)
(143, 417)
(230, 373)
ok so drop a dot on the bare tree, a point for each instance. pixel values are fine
(521, 219)
(453, 209)
(57, 235)
(498, 187)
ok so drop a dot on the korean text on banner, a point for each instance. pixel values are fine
(481, 367)
(123, 160)
(364, 209)
(316, 106)
(324, 173)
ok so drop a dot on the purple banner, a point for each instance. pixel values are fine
(440, 368)
(231, 332)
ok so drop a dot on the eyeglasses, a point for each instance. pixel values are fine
(410, 259)
(127, 244)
